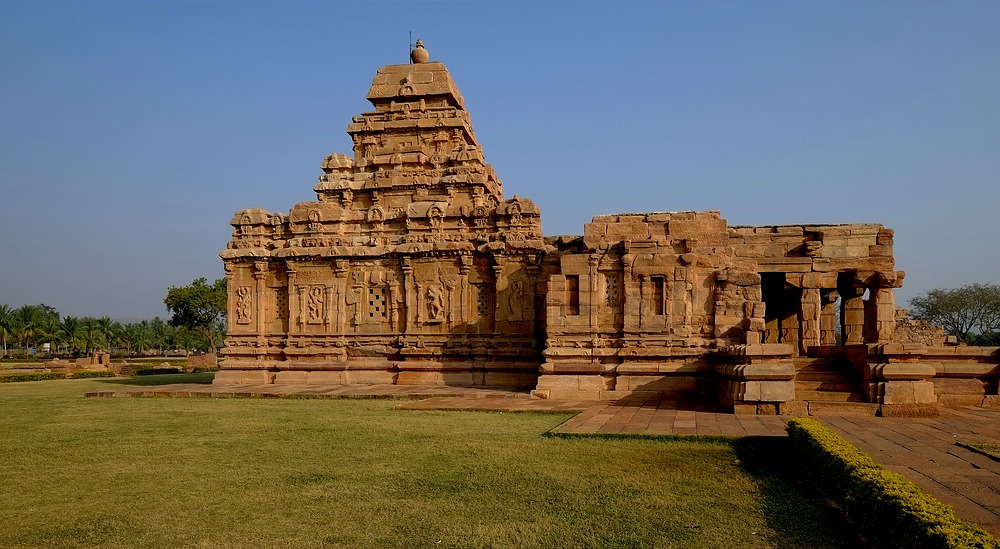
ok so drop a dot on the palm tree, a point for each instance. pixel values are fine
(47, 332)
(109, 330)
(143, 336)
(6, 325)
(26, 325)
(68, 333)
(90, 335)
(159, 334)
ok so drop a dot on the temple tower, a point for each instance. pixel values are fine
(410, 267)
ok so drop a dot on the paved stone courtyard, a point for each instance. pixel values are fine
(925, 450)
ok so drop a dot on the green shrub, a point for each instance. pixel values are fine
(156, 371)
(889, 510)
(84, 374)
(200, 369)
(32, 376)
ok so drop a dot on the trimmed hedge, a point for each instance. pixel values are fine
(889, 510)
(84, 374)
(157, 371)
(33, 376)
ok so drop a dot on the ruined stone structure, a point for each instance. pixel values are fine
(411, 267)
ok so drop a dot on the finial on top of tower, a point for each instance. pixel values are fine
(419, 53)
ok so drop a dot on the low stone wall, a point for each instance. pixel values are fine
(909, 379)
(917, 332)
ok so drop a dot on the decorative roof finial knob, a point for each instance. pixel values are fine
(419, 54)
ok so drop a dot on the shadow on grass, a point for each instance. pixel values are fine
(163, 379)
(791, 506)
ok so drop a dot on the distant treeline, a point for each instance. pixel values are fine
(30, 327)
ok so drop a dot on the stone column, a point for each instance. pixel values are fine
(885, 315)
(828, 318)
(632, 296)
(464, 291)
(809, 317)
(591, 291)
(499, 280)
(329, 298)
(644, 301)
(230, 297)
(408, 286)
(852, 317)
(300, 299)
(260, 276)
(531, 292)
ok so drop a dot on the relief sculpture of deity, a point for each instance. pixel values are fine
(243, 304)
(435, 303)
(315, 305)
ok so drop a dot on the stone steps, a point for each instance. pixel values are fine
(829, 396)
(805, 364)
(828, 381)
(823, 376)
(832, 408)
(840, 386)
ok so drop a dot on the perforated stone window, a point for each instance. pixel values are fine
(376, 303)
(281, 304)
(612, 294)
(482, 299)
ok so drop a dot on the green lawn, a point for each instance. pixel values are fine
(158, 472)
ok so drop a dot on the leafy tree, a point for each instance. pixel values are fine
(198, 306)
(970, 312)
(47, 313)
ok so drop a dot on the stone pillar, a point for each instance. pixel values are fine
(592, 302)
(464, 291)
(327, 308)
(632, 296)
(300, 304)
(408, 287)
(828, 318)
(499, 281)
(809, 318)
(644, 302)
(230, 296)
(852, 317)
(260, 276)
(531, 293)
(885, 315)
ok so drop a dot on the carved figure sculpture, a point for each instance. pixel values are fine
(435, 302)
(243, 304)
(315, 305)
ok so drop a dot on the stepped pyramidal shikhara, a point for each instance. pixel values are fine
(412, 267)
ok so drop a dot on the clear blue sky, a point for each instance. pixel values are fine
(131, 131)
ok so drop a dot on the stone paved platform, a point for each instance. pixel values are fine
(669, 418)
(193, 390)
(924, 450)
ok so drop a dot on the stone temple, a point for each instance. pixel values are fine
(413, 267)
